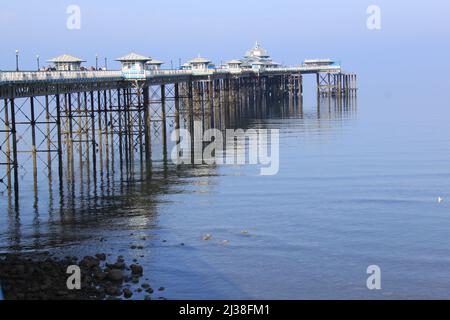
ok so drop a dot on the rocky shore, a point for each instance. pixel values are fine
(45, 278)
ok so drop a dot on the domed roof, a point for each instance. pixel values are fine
(257, 51)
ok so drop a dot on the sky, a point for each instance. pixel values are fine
(412, 32)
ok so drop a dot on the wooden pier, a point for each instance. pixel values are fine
(57, 119)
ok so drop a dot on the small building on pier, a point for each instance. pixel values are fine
(258, 58)
(154, 64)
(318, 62)
(200, 64)
(133, 65)
(234, 64)
(66, 62)
(186, 66)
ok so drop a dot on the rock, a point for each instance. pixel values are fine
(101, 256)
(147, 298)
(161, 289)
(115, 275)
(145, 285)
(119, 265)
(135, 280)
(127, 293)
(100, 276)
(136, 269)
(112, 291)
(89, 262)
(207, 237)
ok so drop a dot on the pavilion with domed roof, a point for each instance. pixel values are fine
(257, 58)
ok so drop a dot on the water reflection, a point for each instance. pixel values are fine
(122, 191)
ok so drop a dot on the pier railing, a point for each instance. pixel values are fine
(33, 76)
(153, 73)
(117, 75)
(305, 69)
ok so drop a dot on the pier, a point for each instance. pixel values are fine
(91, 119)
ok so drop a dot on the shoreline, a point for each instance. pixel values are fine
(31, 276)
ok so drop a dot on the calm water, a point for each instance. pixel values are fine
(355, 188)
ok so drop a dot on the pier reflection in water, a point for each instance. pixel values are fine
(124, 191)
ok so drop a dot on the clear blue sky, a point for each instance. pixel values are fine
(412, 31)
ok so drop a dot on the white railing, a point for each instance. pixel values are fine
(36, 76)
(33, 76)
(153, 73)
(304, 68)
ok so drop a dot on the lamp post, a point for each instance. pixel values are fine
(96, 61)
(37, 60)
(106, 63)
(17, 60)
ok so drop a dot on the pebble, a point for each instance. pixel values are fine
(135, 280)
(101, 256)
(127, 293)
(118, 265)
(136, 269)
(207, 237)
(115, 275)
(89, 262)
(112, 291)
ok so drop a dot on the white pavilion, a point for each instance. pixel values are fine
(133, 63)
(66, 62)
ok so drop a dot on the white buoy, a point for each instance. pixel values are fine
(440, 200)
